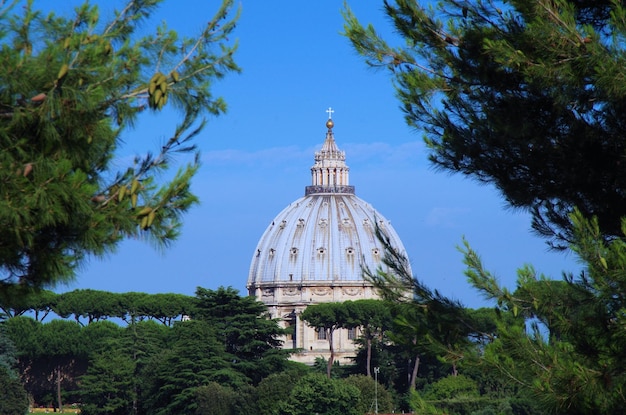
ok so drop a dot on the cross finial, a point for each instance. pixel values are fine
(330, 112)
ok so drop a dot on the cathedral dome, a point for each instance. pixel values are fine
(325, 238)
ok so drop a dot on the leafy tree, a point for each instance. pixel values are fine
(273, 391)
(215, 399)
(93, 305)
(451, 387)
(373, 317)
(570, 354)
(133, 305)
(318, 394)
(328, 317)
(25, 334)
(243, 326)
(63, 350)
(100, 336)
(193, 357)
(374, 398)
(13, 397)
(524, 94)
(107, 387)
(8, 352)
(16, 301)
(71, 88)
(167, 308)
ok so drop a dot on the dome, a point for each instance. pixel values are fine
(320, 237)
(315, 251)
(327, 236)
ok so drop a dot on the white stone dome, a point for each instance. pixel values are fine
(321, 237)
(325, 238)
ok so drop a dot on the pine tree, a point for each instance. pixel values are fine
(70, 88)
(570, 354)
(527, 95)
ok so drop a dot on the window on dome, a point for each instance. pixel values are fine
(375, 252)
(321, 250)
(350, 251)
(294, 251)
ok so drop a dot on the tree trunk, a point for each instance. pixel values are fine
(369, 357)
(59, 403)
(331, 359)
(414, 373)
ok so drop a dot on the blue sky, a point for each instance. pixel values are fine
(257, 159)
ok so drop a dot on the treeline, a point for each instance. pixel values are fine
(89, 306)
(227, 359)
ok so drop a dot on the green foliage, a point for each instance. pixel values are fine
(451, 387)
(242, 325)
(424, 319)
(72, 88)
(93, 305)
(526, 95)
(374, 318)
(373, 397)
(17, 300)
(193, 357)
(107, 387)
(328, 317)
(272, 392)
(13, 398)
(317, 394)
(8, 352)
(215, 399)
(571, 355)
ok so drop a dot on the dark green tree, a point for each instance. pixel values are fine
(167, 308)
(215, 399)
(273, 391)
(13, 397)
(525, 95)
(374, 398)
(107, 387)
(16, 301)
(70, 89)
(243, 326)
(89, 305)
(451, 394)
(318, 394)
(193, 357)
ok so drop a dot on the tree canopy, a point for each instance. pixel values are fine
(571, 354)
(527, 95)
(70, 88)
